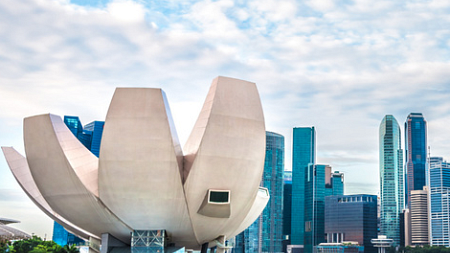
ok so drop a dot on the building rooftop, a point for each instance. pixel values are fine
(10, 233)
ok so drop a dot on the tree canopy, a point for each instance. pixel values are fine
(36, 245)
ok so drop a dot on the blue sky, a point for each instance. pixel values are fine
(337, 65)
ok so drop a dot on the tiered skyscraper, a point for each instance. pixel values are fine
(439, 187)
(391, 178)
(303, 156)
(416, 153)
(266, 233)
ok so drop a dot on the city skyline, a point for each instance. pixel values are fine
(338, 67)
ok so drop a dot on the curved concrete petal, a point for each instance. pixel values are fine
(52, 151)
(225, 151)
(19, 167)
(140, 176)
(258, 206)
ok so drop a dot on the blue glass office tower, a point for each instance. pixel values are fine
(62, 237)
(391, 178)
(74, 125)
(248, 240)
(320, 182)
(90, 137)
(272, 216)
(287, 207)
(268, 228)
(351, 218)
(416, 153)
(303, 156)
(439, 186)
(95, 130)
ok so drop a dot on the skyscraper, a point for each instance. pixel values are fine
(416, 153)
(391, 178)
(439, 201)
(303, 155)
(90, 137)
(419, 216)
(320, 182)
(248, 240)
(266, 233)
(272, 216)
(351, 218)
(95, 130)
(287, 208)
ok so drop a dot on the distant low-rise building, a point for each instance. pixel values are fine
(344, 247)
(351, 218)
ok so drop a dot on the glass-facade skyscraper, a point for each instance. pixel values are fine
(266, 233)
(391, 178)
(248, 240)
(287, 207)
(416, 153)
(95, 130)
(90, 137)
(320, 182)
(272, 216)
(439, 187)
(351, 218)
(303, 156)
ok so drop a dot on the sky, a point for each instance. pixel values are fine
(340, 66)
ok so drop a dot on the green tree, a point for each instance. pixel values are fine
(70, 249)
(25, 246)
(37, 245)
(4, 245)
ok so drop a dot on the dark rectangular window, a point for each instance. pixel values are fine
(219, 196)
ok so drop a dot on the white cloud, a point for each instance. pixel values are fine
(127, 10)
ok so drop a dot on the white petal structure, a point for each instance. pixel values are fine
(142, 180)
(19, 167)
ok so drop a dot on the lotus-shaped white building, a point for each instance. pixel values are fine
(143, 181)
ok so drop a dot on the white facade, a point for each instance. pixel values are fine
(142, 180)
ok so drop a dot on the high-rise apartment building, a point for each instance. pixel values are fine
(303, 156)
(419, 217)
(439, 187)
(391, 178)
(351, 218)
(416, 153)
(320, 182)
(266, 233)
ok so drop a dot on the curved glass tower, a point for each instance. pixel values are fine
(272, 216)
(391, 178)
(265, 235)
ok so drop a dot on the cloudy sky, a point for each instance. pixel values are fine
(337, 65)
